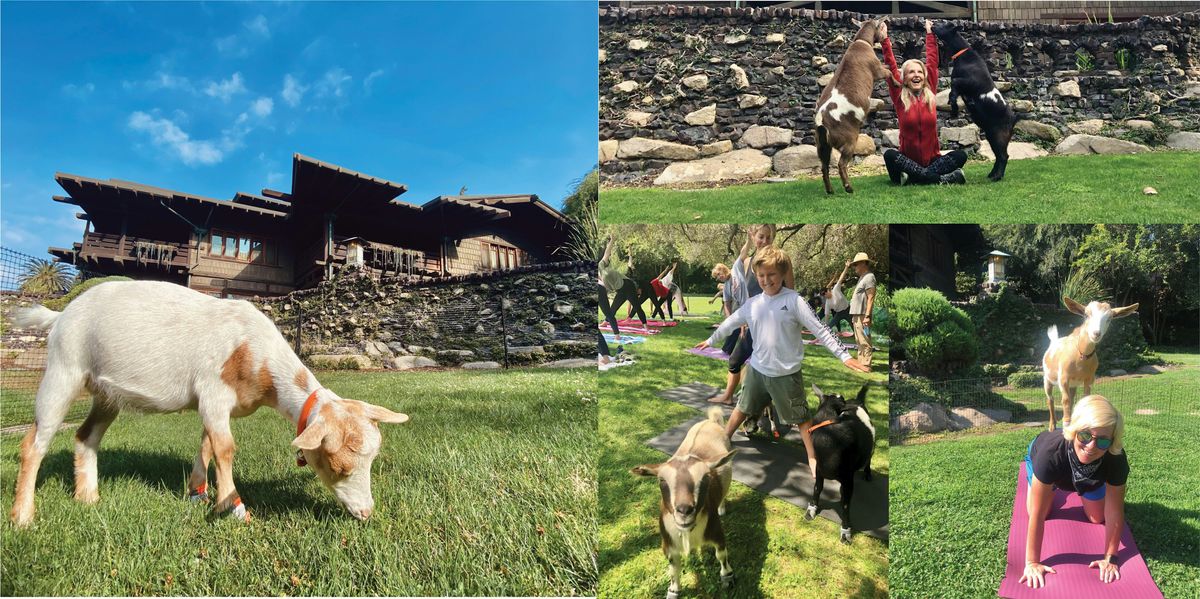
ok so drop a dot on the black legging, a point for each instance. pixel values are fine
(658, 306)
(628, 293)
(603, 347)
(741, 352)
(942, 165)
(609, 314)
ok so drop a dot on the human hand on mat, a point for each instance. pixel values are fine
(1035, 575)
(853, 364)
(702, 345)
(1108, 570)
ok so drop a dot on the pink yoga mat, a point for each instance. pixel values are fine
(604, 327)
(710, 352)
(654, 323)
(1069, 544)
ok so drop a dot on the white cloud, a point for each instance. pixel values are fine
(274, 178)
(165, 133)
(293, 91)
(262, 106)
(332, 83)
(226, 89)
(258, 26)
(78, 91)
(228, 45)
(371, 79)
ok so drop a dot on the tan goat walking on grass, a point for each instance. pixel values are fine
(843, 106)
(1071, 361)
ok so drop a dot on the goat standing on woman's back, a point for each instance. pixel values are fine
(842, 108)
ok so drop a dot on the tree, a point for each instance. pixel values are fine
(586, 193)
(582, 209)
(43, 277)
(1042, 255)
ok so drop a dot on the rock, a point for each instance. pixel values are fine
(1017, 150)
(734, 40)
(326, 360)
(1066, 89)
(603, 56)
(738, 78)
(608, 150)
(824, 80)
(481, 365)
(1061, 74)
(875, 105)
(837, 42)
(638, 118)
(891, 137)
(1089, 127)
(648, 100)
(795, 159)
(962, 418)
(775, 38)
(572, 363)
(819, 61)
(563, 308)
(924, 418)
(1140, 125)
(1159, 47)
(704, 116)
(966, 136)
(1021, 105)
(741, 164)
(625, 87)
(1117, 372)
(397, 348)
(1003, 86)
(696, 136)
(865, 146)
(527, 350)
(377, 349)
(1081, 143)
(943, 101)
(1039, 130)
(1149, 369)
(778, 71)
(873, 161)
(562, 288)
(716, 147)
(638, 45)
(749, 101)
(696, 82)
(641, 147)
(1184, 140)
(766, 136)
(1150, 191)
(410, 362)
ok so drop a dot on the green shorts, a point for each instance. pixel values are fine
(787, 392)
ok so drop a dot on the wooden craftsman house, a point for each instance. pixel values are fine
(275, 242)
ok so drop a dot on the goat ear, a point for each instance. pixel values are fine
(722, 460)
(380, 413)
(1074, 307)
(862, 395)
(817, 391)
(856, 22)
(646, 470)
(311, 437)
(1126, 311)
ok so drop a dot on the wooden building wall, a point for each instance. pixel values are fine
(467, 255)
(1073, 11)
(225, 276)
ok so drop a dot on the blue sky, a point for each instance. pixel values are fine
(213, 98)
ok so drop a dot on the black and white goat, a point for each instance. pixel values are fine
(843, 440)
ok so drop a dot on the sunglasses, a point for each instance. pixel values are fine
(1086, 437)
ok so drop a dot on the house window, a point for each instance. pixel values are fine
(243, 248)
(500, 257)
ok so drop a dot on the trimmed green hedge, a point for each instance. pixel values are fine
(1025, 379)
(937, 338)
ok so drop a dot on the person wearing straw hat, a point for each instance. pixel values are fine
(861, 304)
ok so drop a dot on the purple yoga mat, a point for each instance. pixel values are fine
(1069, 544)
(710, 352)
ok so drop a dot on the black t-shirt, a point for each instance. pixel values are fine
(1051, 464)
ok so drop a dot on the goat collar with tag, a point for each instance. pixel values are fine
(959, 53)
(1086, 356)
(303, 424)
(817, 426)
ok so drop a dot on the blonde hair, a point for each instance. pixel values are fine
(754, 229)
(1095, 411)
(773, 257)
(906, 95)
(720, 270)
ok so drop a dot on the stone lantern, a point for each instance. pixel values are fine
(995, 270)
(355, 251)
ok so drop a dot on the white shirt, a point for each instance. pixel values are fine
(775, 324)
(837, 302)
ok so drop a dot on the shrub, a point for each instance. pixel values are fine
(937, 338)
(1124, 346)
(330, 363)
(999, 371)
(59, 304)
(1008, 326)
(1025, 379)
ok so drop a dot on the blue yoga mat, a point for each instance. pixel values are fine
(625, 339)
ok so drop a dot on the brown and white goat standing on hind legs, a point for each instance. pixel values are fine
(693, 485)
(843, 106)
(1071, 361)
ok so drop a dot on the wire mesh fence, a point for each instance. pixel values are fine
(25, 281)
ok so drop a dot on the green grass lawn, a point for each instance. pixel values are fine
(951, 500)
(490, 489)
(774, 551)
(1054, 189)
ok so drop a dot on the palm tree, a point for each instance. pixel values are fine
(43, 277)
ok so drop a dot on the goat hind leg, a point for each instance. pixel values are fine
(843, 167)
(60, 385)
(87, 443)
(221, 441)
(1048, 385)
(818, 488)
(999, 140)
(847, 483)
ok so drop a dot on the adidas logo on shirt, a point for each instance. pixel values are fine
(784, 308)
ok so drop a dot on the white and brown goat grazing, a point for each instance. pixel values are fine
(160, 347)
(693, 485)
(1071, 361)
(842, 108)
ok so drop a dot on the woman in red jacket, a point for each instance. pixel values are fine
(916, 110)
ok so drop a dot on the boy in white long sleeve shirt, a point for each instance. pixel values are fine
(776, 318)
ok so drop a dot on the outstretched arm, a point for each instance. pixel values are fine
(1038, 504)
(894, 82)
(931, 56)
(608, 250)
(728, 326)
(1114, 523)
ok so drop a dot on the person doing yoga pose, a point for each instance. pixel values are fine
(611, 280)
(1088, 458)
(660, 293)
(919, 157)
(837, 307)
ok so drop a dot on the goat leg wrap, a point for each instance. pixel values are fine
(845, 535)
(811, 512)
(672, 594)
(727, 580)
(239, 512)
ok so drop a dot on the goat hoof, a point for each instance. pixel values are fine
(811, 512)
(727, 580)
(672, 594)
(849, 189)
(846, 536)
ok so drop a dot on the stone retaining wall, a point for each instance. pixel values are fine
(739, 85)
(543, 313)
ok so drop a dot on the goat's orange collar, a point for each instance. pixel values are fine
(303, 424)
(959, 53)
(817, 426)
